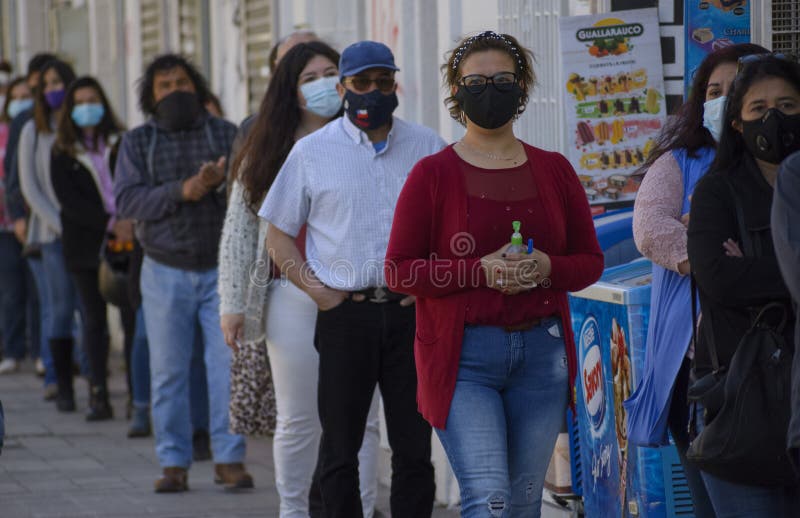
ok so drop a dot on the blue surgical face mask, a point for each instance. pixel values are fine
(18, 106)
(714, 116)
(88, 114)
(322, 97)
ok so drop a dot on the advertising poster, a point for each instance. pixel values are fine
(618, 479)
(712, 25)
(614, 99)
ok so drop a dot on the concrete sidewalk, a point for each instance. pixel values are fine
(58, 465)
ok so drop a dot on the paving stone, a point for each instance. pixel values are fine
(56, 465)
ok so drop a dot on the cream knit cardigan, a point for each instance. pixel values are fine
(244, 266)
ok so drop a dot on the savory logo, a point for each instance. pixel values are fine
(610, 36)
(592, 379)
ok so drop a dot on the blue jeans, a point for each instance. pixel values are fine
(12, 297)
(37, 272)
(175, 301)
(732, 500)
(63, 302)
(506, 413)
(140, 375)
(140, 364)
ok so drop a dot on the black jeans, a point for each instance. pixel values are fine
(361, 344)
(678, 421)
(95, 326)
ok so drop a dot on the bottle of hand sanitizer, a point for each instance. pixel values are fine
(516, 246)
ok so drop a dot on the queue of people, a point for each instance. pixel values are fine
(283, 278)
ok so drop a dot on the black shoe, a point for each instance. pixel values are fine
(201, 446)
(65, 403)
(61, 351)
(99, 406)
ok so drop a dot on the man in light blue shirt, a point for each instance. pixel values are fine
(343, 182)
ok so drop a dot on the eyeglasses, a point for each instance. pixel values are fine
(362, 84)
(745, 61)
(476, 83)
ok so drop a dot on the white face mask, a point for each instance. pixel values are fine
(714, 116)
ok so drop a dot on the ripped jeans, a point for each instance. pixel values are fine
(507, 410)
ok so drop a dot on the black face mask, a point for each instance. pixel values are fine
(370, 111)
(179, 110)
(491, 108)
(773, 137)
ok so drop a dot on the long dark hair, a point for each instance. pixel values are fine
(13, 84)
(685, 129)
(147, 101)
(273, 131)
(42, 110)
(68, 133)
(731, 150)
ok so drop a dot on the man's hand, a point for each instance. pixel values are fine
(194, 189)
(232, 329)
(211, 174)
(327, 298)
(21, 230)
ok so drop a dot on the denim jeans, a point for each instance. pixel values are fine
(140, 364)
(175, 301)
(506, 413)
(63, 303)
(12, 297)
(61, 293)
(732, 500)
(37, 272)
(140, 374)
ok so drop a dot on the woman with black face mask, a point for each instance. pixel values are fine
(495, 354)
(736, 270)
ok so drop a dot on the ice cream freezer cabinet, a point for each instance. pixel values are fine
(610, 320)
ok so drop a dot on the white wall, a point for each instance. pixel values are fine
(228, 67)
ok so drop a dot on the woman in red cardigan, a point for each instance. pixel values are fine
(494, 348)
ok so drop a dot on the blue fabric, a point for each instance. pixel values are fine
(36, 267)
(669, 332)
(12, 297)
(379, 146)
(198, 386)
(140, 375)
(175, 301)
(507, 409)
(140, 364)
(732, 500)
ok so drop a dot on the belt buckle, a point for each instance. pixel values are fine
(379, 296)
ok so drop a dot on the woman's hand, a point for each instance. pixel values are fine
(732, 248)
(532, 270)
(515, 273)
(123, 230)
(232, 329)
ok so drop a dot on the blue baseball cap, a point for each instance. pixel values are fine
(363, 55)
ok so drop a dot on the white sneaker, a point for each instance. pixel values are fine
(39, 367)
(9, 365)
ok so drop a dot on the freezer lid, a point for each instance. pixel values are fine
(627, 284)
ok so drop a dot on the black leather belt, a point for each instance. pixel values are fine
(378, 295)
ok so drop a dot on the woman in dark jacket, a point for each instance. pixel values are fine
(81, 168)
(762, 127)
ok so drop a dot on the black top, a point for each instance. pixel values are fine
(83, 214)
(730, 288)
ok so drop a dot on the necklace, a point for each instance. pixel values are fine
(489, 155)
